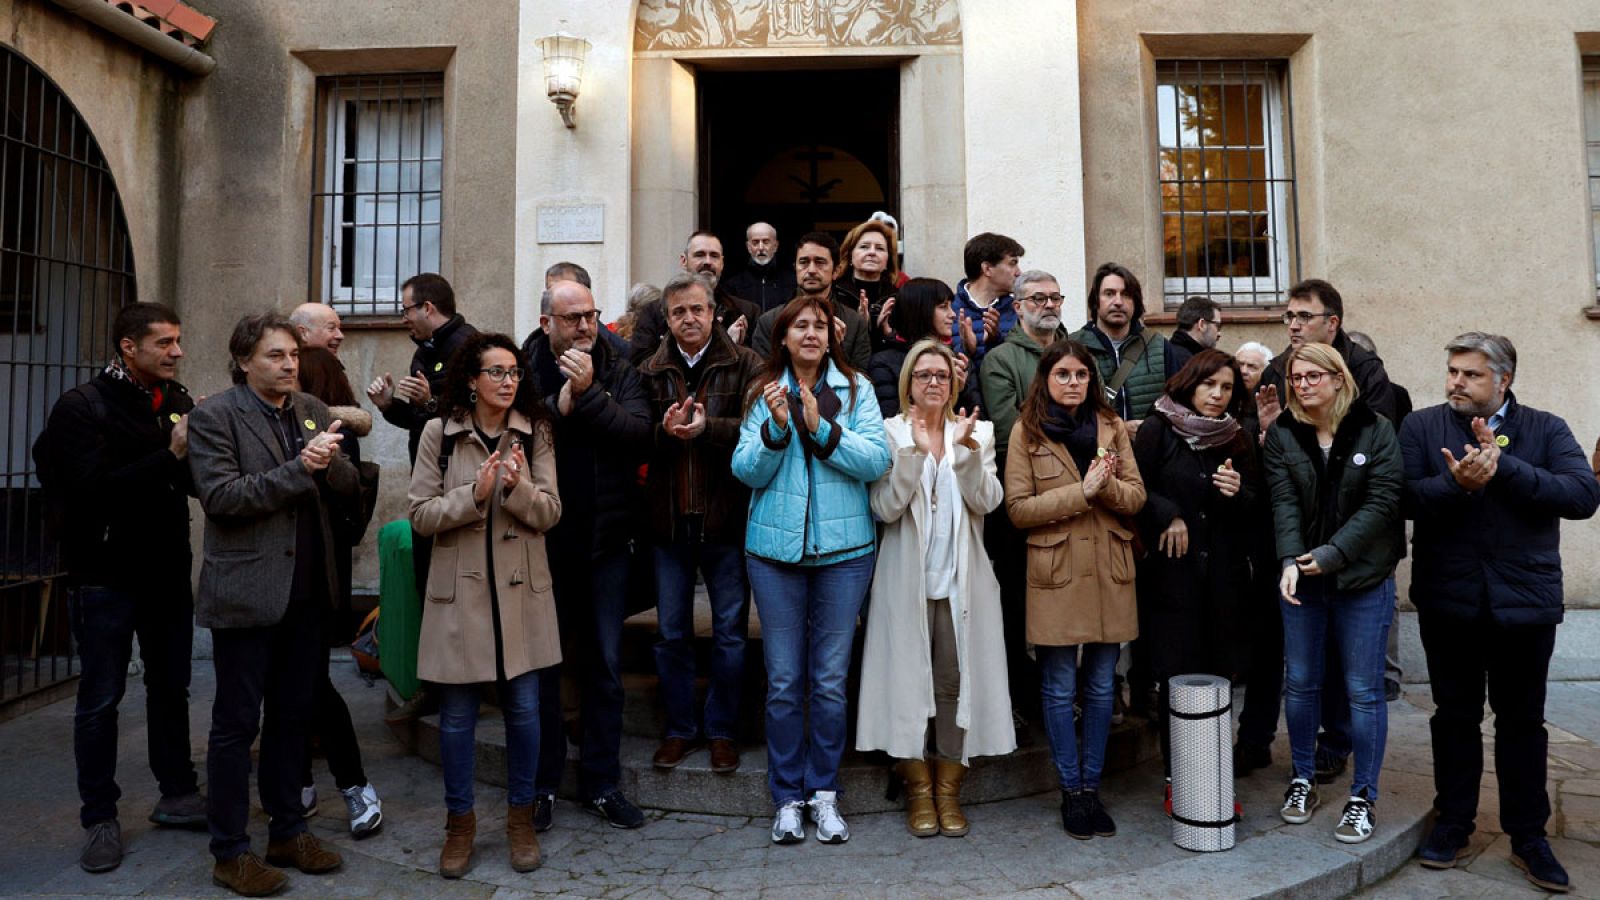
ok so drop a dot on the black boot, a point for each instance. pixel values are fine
(1075, 815)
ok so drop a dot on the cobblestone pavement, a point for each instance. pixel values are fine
(1016, 847)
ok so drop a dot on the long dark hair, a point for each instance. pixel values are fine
(912, 316)
(778, 357)
(1130, 284)
(1181, 386)
(455, 401)
(1037, 405)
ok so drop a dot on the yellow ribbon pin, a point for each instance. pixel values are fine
(1502, 441)
(310, 425)
(174, 418)
(438, 366)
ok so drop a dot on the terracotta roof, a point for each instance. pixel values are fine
(177, 20)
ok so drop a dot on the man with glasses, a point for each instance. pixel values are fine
(696, 382)
(1199, 325)
(428, 307)
(602, 434)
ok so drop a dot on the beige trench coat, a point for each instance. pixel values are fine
(897, 663)
(457, 645)
(1080, 552)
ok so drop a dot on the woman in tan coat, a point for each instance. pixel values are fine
(484, 487)
(1072, 486)
(933, 649)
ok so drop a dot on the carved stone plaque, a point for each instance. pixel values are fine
(780, 24)
(572, 223)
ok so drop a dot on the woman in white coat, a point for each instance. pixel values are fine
(933, 648)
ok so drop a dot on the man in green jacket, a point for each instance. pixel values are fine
(1116, 329)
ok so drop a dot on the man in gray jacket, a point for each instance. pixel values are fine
(262, 455)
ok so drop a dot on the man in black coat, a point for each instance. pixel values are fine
(602, 435)
(1199, 325)
(117, 448)
(702, 255)
(766, 281)
(428, 306)
(1488, 482)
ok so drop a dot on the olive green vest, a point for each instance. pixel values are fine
(1145, 383)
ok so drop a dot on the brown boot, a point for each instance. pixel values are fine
(247, 876)
(304, 852)
(947, 778)
(520, 835)
(455, 857)
(920, 818)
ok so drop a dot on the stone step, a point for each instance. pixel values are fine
(864, 777)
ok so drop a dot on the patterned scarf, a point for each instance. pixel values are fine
(1202, 432)
(116, 370)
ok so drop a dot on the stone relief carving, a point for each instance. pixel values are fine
(777, 24)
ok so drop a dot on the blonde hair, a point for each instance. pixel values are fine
(918, 351)
(1327, 358)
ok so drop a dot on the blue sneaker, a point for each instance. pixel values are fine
(1443, 846)
(1538, 865)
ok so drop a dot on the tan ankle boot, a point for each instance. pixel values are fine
(520, 835)
(920, 818)
(947, 778)
(456, 855)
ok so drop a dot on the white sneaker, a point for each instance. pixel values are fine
(308, 800)
(788, 828)
(1356, 824)
(1299, 802)
(824, 811)
(366, 812)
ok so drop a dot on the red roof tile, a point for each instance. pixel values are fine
(177, 20)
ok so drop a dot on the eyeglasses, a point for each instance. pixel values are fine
(1309, 379)
(1304, 318)
(408, 310)
(931, 377)
(1065, 376)
(573, 320)
(1043, 299)
(498, 374)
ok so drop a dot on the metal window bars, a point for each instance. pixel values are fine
(1225, 148)
(376, 200)
(66, 267)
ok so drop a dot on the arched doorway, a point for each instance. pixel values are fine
(66, 267)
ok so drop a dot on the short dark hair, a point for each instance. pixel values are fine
(431, 287)
(1130, 284)
(247, 335)
(988, 248)
(914, 303)
(135, 321)
(1317, 289)
(566, 271)
(821, 239)
(1196, 310)
(1181, 386)
(703, 232)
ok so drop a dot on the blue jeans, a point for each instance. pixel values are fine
(1354, 625)
(104, 622)
(808, 623)
(590, 604)
(723, 568)
(1078, 767)
(458, 720)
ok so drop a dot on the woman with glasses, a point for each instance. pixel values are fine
(1202, 503)
(934, 662)
(484, 488)
(920, 311)
(871, 271)
(1334, 474)
(1072, 487)
(810, 443)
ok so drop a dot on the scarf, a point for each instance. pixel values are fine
(1201, 432)
(116, 371)
(1078, 431)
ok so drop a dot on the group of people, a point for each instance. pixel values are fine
(995, 504)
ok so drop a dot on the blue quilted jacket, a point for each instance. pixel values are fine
(808, 505)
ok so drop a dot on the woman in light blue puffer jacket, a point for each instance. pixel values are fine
(811, 442)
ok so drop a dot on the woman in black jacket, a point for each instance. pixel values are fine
(1202, 493)
(921, 310)
(1335, 476)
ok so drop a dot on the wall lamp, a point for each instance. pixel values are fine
(563, 71)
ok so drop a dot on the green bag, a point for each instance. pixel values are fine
(400, 625)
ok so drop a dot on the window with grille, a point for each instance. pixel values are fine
(1226, 175)
(1591, 136)
(375, 208)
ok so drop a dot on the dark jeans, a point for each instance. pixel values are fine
(590, 606)
(330, 721)
(104, 622)
(1078, 764)
(1008, 551)
(1514, 661)
(722, 566)
(275, 666)
(458, 724)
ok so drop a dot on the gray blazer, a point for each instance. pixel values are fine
(249, 493)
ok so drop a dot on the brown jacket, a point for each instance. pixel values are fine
(1080, 552)
(468, 590)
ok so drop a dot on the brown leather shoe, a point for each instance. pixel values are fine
(724, 756)
(455, 857)
(247, 876)
(522, 839)
(918, 783)
(671, 752)
(304, 852)
(947, 778)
